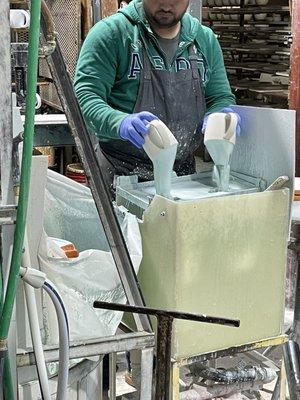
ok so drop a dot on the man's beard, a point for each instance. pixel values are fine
(167, 21)
(164, 20)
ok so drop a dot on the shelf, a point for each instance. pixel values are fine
(259, 67)
(279, 23)
(218, 25)
(258, 103)
(251, 46)
(262, 88)
(256, 50)
(249, 10)
(272, 42)
(257, 24)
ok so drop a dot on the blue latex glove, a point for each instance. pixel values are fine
(225, 110)
(135, 127)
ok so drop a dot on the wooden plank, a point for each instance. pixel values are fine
(109, 7)
(294, 95)
(86, 16)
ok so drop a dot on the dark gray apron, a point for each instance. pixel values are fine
(176, 98)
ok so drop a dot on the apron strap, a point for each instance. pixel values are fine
(193, 58)
(147, 67)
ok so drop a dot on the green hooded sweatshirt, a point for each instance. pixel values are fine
(108, 70)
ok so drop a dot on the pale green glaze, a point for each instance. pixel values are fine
(221, 256)
(163, 169)
(221, 151)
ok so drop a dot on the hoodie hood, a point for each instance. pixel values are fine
(136, 14)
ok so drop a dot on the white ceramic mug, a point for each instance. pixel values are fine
(19, 19)
(159, 138)
(221, 126)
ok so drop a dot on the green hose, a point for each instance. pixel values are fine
(33, 52)
(1, 289)
(8, 385)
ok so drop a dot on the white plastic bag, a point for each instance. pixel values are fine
(71, 214)
(92, 276)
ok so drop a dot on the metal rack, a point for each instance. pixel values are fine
(256, 49)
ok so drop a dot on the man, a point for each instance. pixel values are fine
(150, 60)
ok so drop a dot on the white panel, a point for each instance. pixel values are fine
(266, 147)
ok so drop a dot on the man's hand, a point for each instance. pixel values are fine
(135, 127)
(225, 110)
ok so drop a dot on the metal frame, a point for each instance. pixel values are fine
(111, 345)
(164, 338)
(291, 350)
(177, 364)
(93, 347)
(8, 214)
(231, 351)
(92, 165)
(96, 7)
(6, 152)
(52, 135)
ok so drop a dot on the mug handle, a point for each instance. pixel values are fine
(231, 124)
(27, 18)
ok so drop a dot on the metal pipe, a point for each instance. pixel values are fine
(6, 143)
(35, 329)
(62, 318)
(25, 172)
(147, 359)
(276, 391)
(217, 391)
(297, 302)
(96, 4)
(168, 314)
(250, 374)
(6, 132)
(291, 351)
(291, 361)
(50, 35)
(91, 348)
(37, 341)
(163, 354)
(112, 376)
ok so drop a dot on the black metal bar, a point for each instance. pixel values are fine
(291, 351)
(167, 314)
(164, 337)
(276, 391)
(96, 6)
(92, 165)
(291, 361)
(3, 355)
(163, 356)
